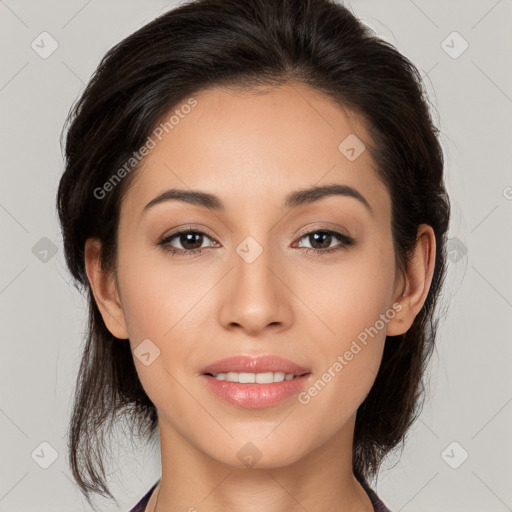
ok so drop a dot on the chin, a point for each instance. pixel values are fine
(258, 452)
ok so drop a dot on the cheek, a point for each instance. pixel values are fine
(349, 360)
(350, 296)
(156, 293)
(160, 303)
(165, 302)
(334, 397)
(354, 302)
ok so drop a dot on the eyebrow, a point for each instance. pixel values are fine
(293, 200)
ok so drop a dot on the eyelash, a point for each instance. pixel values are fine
(346, 241)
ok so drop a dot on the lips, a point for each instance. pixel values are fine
(260, 364)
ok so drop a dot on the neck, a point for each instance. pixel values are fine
(320, 481)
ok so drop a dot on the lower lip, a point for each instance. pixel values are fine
(255, 396)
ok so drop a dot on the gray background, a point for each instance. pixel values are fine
(43, 316)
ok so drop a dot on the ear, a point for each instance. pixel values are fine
(104, 288)
(415, 284)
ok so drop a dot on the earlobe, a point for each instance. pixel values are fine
(418, 278)
(104, 289)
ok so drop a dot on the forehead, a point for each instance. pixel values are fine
(253, 147)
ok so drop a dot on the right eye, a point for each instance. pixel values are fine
(186, 238)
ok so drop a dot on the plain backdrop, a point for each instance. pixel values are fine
(458, 454)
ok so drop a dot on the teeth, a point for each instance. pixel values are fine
(260, 378)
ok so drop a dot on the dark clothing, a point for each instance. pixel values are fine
(377, 503)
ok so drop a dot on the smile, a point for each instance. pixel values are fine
(254, 378)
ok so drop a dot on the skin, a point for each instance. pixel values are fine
(251, 150)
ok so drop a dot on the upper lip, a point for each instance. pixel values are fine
(259, 364)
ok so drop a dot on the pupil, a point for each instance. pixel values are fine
(189, 240)
(317, 235)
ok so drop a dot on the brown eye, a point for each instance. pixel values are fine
(191, 242)
(321, 241)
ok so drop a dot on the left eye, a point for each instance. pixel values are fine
(325, 238)
(192, 241)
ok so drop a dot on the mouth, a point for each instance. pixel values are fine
(246, 368)
(255, 378)
(255, 382)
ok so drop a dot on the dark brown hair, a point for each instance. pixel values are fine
(245, 43)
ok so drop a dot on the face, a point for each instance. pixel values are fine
(311, 280)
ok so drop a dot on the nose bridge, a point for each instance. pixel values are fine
(252, 253)
(252, 262)
(255, 298)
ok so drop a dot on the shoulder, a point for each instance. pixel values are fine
(141, 505)
(377, 503)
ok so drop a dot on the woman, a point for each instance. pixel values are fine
(253, 200)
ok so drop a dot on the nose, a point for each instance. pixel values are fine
(255, 295)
